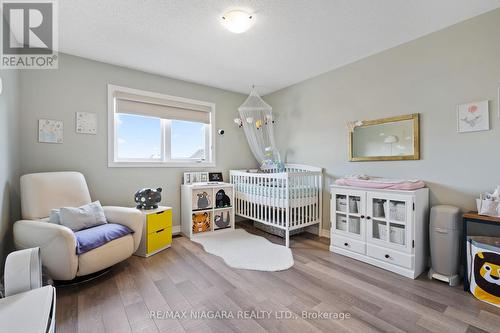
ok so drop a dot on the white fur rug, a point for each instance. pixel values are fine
(240, 249)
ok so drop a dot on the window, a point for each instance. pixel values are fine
(132, 143)
(150, 129)
(188, 140)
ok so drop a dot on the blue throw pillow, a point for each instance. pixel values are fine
(78, 218)
(54, 216)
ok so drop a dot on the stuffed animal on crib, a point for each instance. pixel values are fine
(201, 222)
(222, 199)
(148, 198)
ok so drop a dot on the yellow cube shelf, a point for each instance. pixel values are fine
(157, 231)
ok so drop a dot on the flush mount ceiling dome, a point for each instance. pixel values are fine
(237, 21)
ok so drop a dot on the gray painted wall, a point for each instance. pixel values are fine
(81, 85)
(9, 160)
(429, 76)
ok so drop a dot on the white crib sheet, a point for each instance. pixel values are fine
(295, 192)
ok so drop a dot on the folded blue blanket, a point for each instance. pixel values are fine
(91, 238)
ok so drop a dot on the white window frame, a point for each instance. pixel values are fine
(166, 161)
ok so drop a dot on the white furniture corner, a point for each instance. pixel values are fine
(194, 205)
(28, 307)
(42, 192)
(385, 228)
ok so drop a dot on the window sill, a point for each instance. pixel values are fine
(160, 165)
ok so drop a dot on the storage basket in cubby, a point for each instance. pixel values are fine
(202, 199)
(201, 222)
(223, 197)
(222, 219)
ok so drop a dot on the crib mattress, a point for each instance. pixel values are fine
(295, 192)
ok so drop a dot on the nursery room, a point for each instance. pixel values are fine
(249, 166)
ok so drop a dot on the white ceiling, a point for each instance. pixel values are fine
(291, 40)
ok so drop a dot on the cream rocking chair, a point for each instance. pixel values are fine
(42, 192)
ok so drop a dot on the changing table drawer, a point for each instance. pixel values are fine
(348, 244)
(390, 256)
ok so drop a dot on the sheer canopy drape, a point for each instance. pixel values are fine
(258, 124)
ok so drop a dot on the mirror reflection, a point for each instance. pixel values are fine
(385, 139)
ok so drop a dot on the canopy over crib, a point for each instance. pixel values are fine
(258, 124)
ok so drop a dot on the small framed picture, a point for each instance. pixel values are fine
(195, 177)
(204, 177)
(215, 177)
(473, 117)
(187, 178)
(86, 123)
(50, 131)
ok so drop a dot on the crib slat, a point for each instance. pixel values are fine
(254, 190)
(263, 200)
(304, 198)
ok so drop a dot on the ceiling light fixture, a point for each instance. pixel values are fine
(237, 21)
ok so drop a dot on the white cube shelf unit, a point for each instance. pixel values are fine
(206, 208)
(385, 228)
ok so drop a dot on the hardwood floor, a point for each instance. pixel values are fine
(185, 278)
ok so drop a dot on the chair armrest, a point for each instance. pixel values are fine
(57, 245)
(23, 271)
(130, 217)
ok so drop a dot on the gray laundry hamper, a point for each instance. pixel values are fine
(444, 241)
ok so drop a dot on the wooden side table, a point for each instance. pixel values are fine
(157, 231)
(473, 217)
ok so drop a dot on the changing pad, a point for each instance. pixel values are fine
(380, 183)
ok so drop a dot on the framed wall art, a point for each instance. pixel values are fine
(86, 123)
(50, 131)
(473, 117)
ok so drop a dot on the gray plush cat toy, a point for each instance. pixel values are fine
(148, 198)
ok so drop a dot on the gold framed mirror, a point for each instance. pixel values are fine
(388, 139)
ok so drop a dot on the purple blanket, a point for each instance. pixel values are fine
(91, 238)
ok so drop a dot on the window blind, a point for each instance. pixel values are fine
(161, 108)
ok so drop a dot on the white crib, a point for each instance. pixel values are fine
(286, 200)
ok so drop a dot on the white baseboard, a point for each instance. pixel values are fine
(314, 230)
(176, 229)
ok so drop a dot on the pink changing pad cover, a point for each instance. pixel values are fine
(380, 183)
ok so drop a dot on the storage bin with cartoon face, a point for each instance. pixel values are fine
(201, 222)
(202, 199)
